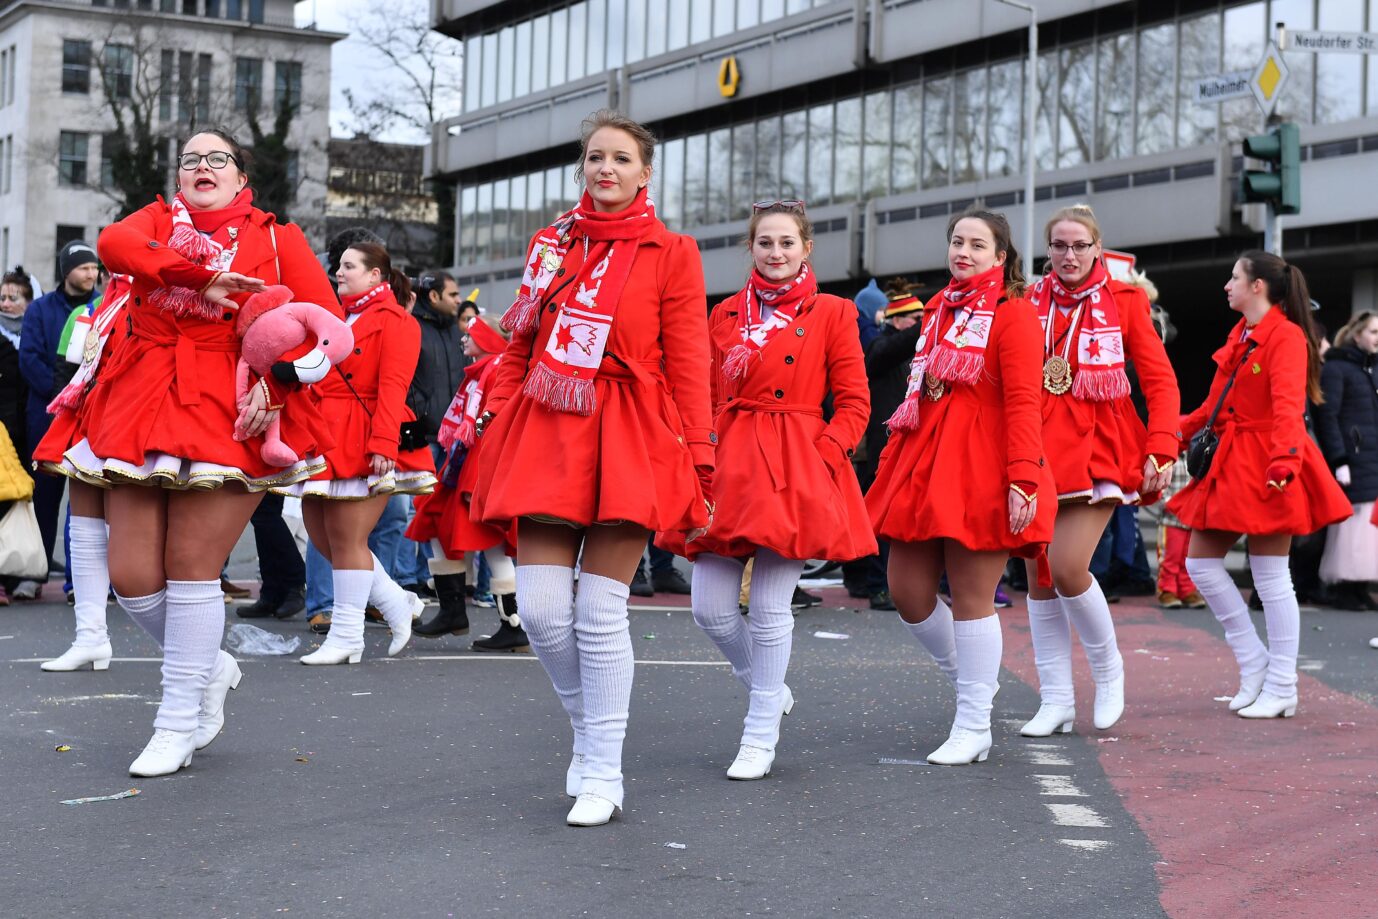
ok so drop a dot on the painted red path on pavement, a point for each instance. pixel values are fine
(1258, 818)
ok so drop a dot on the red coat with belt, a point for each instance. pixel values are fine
(364, 397)
(783, 479)
(171, 387)
(950, 478)
(1088, 441)
(1261, 424)
(633, 459)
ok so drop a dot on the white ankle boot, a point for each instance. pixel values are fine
(210, 721)
(401, 629)
(1250, 685)
(166, 752)
(1051, 719)
(591, 810)
(574, 775)
(964, 746)
(751, 763)
(1270, 706)
(76, 657)
(332, 654)
(1109, 703)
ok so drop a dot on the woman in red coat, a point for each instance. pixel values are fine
(364, 400)
(443, 517)
(163, 416)
(1267, 480)
(959, 481)
(1100, 452)
(784, 486)
(601, 433)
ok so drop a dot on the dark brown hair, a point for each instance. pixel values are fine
(375, 255)
(1015, 281)
(242, 157)
(1286, 286)
(797, 212)
(610, 118)
(19, 278)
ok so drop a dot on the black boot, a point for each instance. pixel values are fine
(452, 618)
(510, 635)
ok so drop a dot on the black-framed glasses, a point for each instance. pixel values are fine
(793, 204)
(1060, 248)
(217, 159)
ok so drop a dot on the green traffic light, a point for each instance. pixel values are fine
(1278, 186)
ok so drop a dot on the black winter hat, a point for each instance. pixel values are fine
(73, 255)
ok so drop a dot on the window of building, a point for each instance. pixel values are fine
(1157, 101)
(658, 25)
(937, 132)
(108, 144)
(743, 171)
(189, 7)
(1340, 77)
(670, 207)
(7, 176)
(559, 46)
(468, 206)
(719, 193)
(256, 11)
(725, 16)
(203, 88)
(875, 147)
(287, 84)
(968, 126)
(72, 150)
(14, 75)
(695, 179)
(677, 26)
(186, 87)
(578, 41)
(1295, 100)
(1245, 30)
(1115, 97)
(473, 75)
(4, 75)
(597, 35)
(1076, 103)
(636, 30)
(167, 83)
(537, 219)
(1045, 129)
(907, 153)
(507, 69)
(819, 189)
(772, 9)
(766, 180)
(248, 84)
(557, 188)
(847, 138)
(794, 158)
(212, 9)
(540, 53)
(700, 21)
(118, 71)
(521, 59)
(516, 218)
(1198, 49)
(489, 84)
(234, 9)
(748, 13)
(1005, 118)
(617, 34)
(483, 223)
(5, 246)
(76, 66)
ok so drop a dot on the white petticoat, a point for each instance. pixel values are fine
(394, 483)
(1101, 491)
(1351, 548)
(173, 472)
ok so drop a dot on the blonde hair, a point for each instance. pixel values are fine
(610, 118)
(1141, 281)
(1078, 213)
(1351, 328)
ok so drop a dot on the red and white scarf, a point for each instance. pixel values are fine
(751, 302)
(357, 303)
(562, 380)
(97, 330)
(215, 251)
(959, 355)
(1100, 375)
(461, 417)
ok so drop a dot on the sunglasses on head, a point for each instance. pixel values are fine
(793, 204)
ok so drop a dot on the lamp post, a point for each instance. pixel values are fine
(1030, 119)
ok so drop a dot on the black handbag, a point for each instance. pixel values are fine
(1201, 450)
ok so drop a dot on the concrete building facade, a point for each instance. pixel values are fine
(199, 63)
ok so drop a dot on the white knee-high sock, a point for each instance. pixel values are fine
(352, 587)
(1273, 581)
(195, 627)
(605, 672)
(442, 564)
(387, 596)
(716, 583)
(771, 626)
(935, 634)
(1226, 602)
(1091, 615)
(90, 579)
(502, 573)
(1052, 643)
(545, 595)
(979, 647)
(149, 613)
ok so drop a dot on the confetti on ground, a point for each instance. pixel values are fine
(675, 845)
(302, 759)
(62, 748)
(130, 793)
(1107, 740)
(891, 761)
(361, 694)
(1345, 724)
(840, 636)
(1222, 698)
(649, 635)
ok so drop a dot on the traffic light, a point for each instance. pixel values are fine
(1280, 184)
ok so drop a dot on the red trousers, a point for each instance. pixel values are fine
(1172, 561)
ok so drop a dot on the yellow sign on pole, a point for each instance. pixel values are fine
(729, 76)
(1269, 78)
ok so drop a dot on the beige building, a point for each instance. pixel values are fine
(188, 63)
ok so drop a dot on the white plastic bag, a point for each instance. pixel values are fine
(21, 544)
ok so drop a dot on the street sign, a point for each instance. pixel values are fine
(1333, 42)
(1223, 86)
(1270, 76)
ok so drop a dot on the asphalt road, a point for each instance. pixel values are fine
(432, 785)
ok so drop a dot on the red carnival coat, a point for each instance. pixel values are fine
(1087, 441)
(1261, 424)
(171, 387)
(364, 397)
(950, 479)
(783, 479)
(633, 459)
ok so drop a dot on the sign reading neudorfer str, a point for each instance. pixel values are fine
(1333, 42)
(1224, 86)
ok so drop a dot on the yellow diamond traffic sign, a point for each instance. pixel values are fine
(1269, 78)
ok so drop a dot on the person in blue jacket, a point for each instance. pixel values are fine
(46, 371)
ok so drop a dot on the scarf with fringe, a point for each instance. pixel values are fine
(750, 302)
(959, 356)
(1100, 374)
(216, 251)
(460, 424)
(562, 379)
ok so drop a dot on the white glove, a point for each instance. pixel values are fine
(1342, 476)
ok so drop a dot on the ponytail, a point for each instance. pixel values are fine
(1286, 287)
(401, 287)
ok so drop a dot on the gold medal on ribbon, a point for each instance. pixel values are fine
(1057, 375)
(549, 260)
(91, 346)
(933, 388)
(961, 341)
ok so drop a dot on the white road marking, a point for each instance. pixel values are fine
(1311, 665)
(1059, 786)
(1090, 845)
(529, 658)
(1046, 754)
(1078, 815)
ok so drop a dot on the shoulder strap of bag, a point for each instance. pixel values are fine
(1248, 349)
(277, 265)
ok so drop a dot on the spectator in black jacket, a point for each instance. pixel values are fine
(440, 367)
(15, 293)
(1347, 429)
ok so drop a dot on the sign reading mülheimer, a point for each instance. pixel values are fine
(1333, 42)
(1224, 86)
